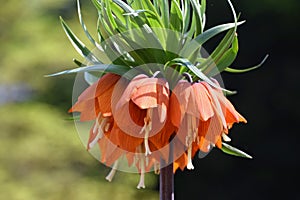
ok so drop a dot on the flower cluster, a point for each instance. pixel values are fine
(139, 118)
(152, 95)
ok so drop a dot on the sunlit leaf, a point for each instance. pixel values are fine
(205, 36)
(117, 69)
(78, 63)
(225, 60)
(78, 45)
(247, 69)
(176, 18)
(226, 148)
(84, 26)
(195, 71)
(90, 78)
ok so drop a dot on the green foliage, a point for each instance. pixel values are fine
(226, 148)
(141, 32)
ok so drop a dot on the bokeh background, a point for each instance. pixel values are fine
(41, 155)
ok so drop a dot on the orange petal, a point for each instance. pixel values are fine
(125, 90)
(211, 129)
(179, 101)
(215, 103)
(89, 109)
(152, 93)
(130, 118)
(126, 142)
(203, 104)
(181, 163)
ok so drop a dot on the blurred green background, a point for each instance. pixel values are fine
(41, 155)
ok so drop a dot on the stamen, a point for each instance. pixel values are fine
(147, 148)
(106, 128)
(190, 138)
(226, 138)
(194, 127)
(112, 173)
(142, 176)
(96, 126)
(147, 128)
(190, 164)
(99, 133)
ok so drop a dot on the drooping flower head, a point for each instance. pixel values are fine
(156, 101)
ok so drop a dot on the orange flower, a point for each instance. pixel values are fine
(145, 101)
(130, 119)
(96, 98)
(137, 119)
(202, 116)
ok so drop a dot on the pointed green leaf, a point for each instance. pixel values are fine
(204, 37)
(116, 69)
(164, 5)
(176, 18)
(124, 6)
(220, 63)
(247, 69)
(195, 70)
(186, 8)
(83, 25)
(198, 17)
(90, 78)
(78, 45)
(78, 63)
(226, 148)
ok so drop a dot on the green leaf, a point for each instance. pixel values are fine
(124, 6)
(78, 45)
(226, 148)
(164, 5)
(90, 78)
(176, 18)
(198, 17)
(73, 118)
(154, 18)
(247, 69)
(186, 8)
(203, 9)
(116, 69)
(109, 15)
(78, 63)
(193, 45)
(84, 26)
(195, 70)
(229, 55)
(225, 60)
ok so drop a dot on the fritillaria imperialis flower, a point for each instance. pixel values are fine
(137, 118)
(202, 116)
(149, 115)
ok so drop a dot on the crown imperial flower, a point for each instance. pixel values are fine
(155, 101)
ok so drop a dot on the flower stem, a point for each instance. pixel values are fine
(166, 178)
(166, 188)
